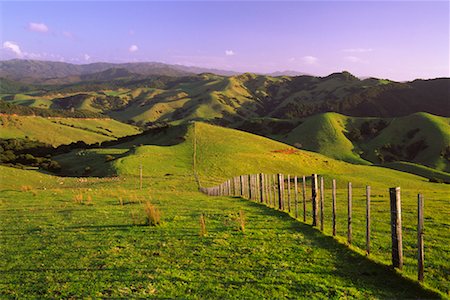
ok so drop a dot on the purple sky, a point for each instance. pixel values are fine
(397, 40)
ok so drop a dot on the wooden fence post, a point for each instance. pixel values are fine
(274, 188)
(368, 219)
(314, 199)
(396, 227)
(322, 192)
(249, 184)
(333, 195)
(349, 211)
(296, 195)
(420, 232)
(257, 189)
(304, 197)
(280, 192)
(241, 185)
(261, 187)
(140, 176)
(289, 192)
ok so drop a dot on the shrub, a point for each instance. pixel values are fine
(436, 180)
(152, 213)
(109, 158)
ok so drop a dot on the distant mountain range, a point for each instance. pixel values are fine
(50, 72)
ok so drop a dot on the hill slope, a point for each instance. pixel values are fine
(220, 153)
(56, 131)
(419, 138)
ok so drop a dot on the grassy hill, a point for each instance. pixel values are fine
(230, 99)
(56, 131)
(277, 256)
(420, 138)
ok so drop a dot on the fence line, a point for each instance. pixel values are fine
(270, 189)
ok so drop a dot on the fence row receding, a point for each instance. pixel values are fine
(286, 193)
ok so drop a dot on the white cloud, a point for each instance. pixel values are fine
(355, 59)
(133, 48)
(12, 47)
(87, 57)
(358, 50)
(229, 52)
(310, 60)
(38, 27)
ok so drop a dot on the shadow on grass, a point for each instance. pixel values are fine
(350, 264)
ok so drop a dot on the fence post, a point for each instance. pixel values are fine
(368, 219)
(396, 227)
(296, 195)
(289, 192)
(304, 197)
(140, 176)
(241, 186)
(280, 192)
(322, 193)
(314, 199)
(261, 187)
(333, 195)
(420, 232)
(257, 190)
(349, 211)
(249, 181)
(274, 187)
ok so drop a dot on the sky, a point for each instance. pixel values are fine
(399, 40)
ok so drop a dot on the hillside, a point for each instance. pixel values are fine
(233, 99)
(57, 131)
(222, 153)
(420, 138)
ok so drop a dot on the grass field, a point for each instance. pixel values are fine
(56, 246)
(64, 130)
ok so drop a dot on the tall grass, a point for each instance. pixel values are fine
(78, 198)
(152, 214)
(203, 231)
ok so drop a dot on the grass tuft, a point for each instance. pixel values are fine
(78, 198)
(152, 213)
(203, 231)
(25, 188)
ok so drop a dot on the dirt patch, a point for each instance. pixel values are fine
(286, 151)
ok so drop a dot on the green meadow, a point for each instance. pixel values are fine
(87, 237)
(63, 130)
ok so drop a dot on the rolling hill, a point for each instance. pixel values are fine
(222, 153)
(420, 138)
(272, 239)
(233, 99)
(57, 131)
